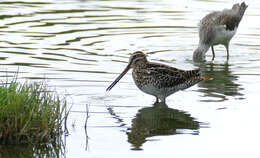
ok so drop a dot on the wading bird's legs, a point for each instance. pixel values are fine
(227, 48)
(157, 100)
(163, 100)
(213, 53)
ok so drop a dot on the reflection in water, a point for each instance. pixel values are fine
(223, 83)
(120, 121)
(33, 151)
(159, 120)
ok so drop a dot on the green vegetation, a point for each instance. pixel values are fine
(55, 150)
(30, 113)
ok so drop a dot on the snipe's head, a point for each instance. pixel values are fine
(137, 59)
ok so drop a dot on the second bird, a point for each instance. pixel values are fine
(218, 28)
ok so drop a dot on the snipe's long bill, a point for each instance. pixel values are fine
(157, 79)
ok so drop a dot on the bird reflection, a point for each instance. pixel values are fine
(223, 83)
(159, 120)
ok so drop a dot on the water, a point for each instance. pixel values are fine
(80, 47)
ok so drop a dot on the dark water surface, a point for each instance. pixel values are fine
(79, 47)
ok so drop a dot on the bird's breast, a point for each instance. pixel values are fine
(141, 77)
(223, 36)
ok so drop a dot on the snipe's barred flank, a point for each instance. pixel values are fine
(157, 79)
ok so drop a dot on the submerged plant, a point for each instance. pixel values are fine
(30, 113)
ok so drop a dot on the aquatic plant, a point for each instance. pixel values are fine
(30, 113)
(45, 150)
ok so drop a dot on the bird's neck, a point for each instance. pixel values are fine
(203, 47)
(199, 53)
(141, 64)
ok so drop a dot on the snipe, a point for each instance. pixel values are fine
(157, 79)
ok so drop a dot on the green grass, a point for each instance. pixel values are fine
(30, 113)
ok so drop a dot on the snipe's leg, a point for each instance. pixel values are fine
(213, 53)
(163, 100)
(157, 100)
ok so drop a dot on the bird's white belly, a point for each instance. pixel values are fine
(152, 90)
(158, 92)
(223, 36)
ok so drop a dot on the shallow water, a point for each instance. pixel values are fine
(79, 47)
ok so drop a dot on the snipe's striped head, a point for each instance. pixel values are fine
(137, 58)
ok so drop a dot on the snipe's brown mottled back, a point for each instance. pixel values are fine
(157, 79)
(218, 27)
